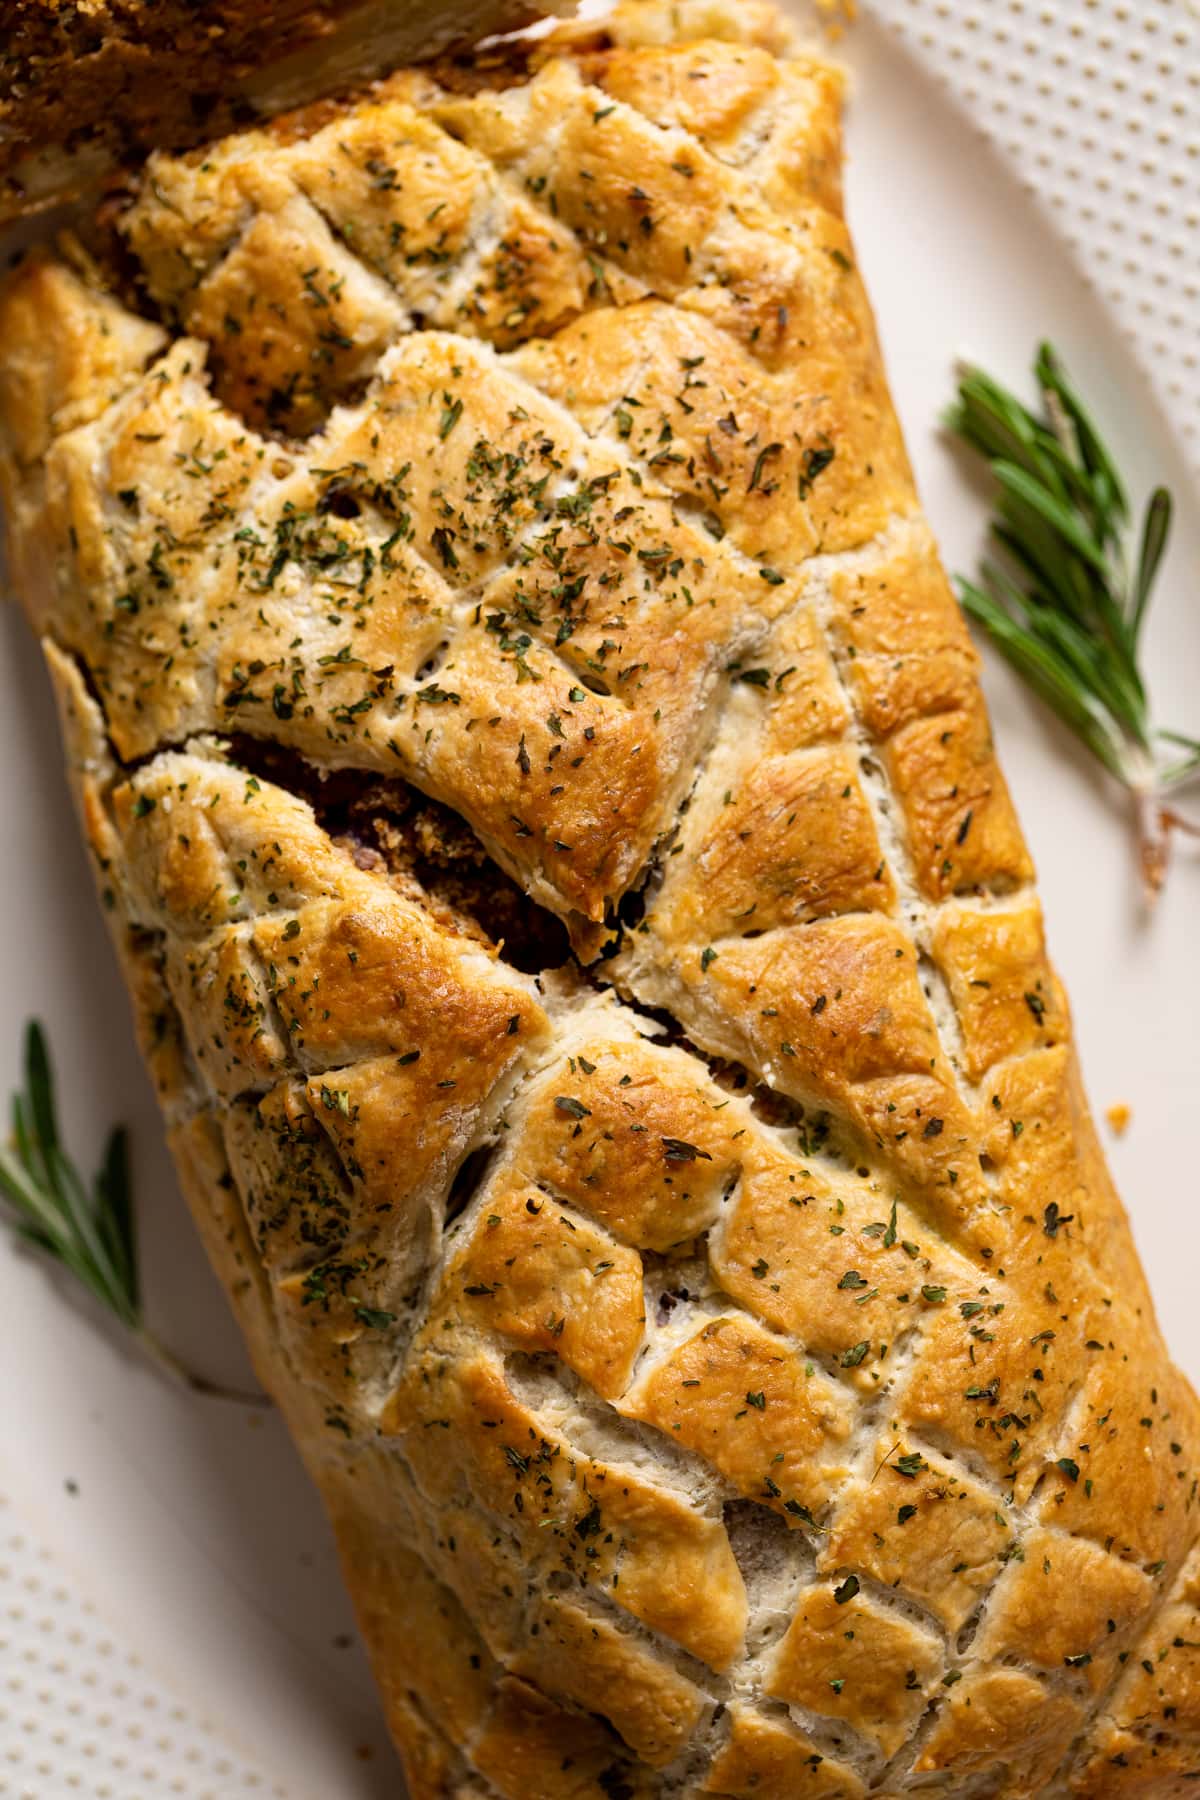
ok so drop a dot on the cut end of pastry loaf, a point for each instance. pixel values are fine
(538, 774)
(86, 88)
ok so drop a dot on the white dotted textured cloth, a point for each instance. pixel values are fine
(1096, 106)
(80, 1714)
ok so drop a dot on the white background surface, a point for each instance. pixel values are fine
(229, 1669)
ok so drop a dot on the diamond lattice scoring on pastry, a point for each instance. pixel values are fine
(582, 939)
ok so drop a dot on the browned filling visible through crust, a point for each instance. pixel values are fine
(428, 852)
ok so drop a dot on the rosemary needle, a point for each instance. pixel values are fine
(1065, 604)
(89, 1231)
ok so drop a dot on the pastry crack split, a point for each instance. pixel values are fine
(539, 780)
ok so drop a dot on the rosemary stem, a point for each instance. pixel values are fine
(178, 1371)
(1065, 599)
(1152, 837)
(87, 1229)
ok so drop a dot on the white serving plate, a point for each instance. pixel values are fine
(171, 1620)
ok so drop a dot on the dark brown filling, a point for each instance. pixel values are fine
(423, 848)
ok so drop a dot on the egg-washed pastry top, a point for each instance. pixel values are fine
(538, 777)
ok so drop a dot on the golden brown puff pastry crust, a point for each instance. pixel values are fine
(580, 933)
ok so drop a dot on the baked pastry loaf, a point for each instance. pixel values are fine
(539, 779)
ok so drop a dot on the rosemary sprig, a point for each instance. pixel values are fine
(1064, 605)
(89, 1231)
